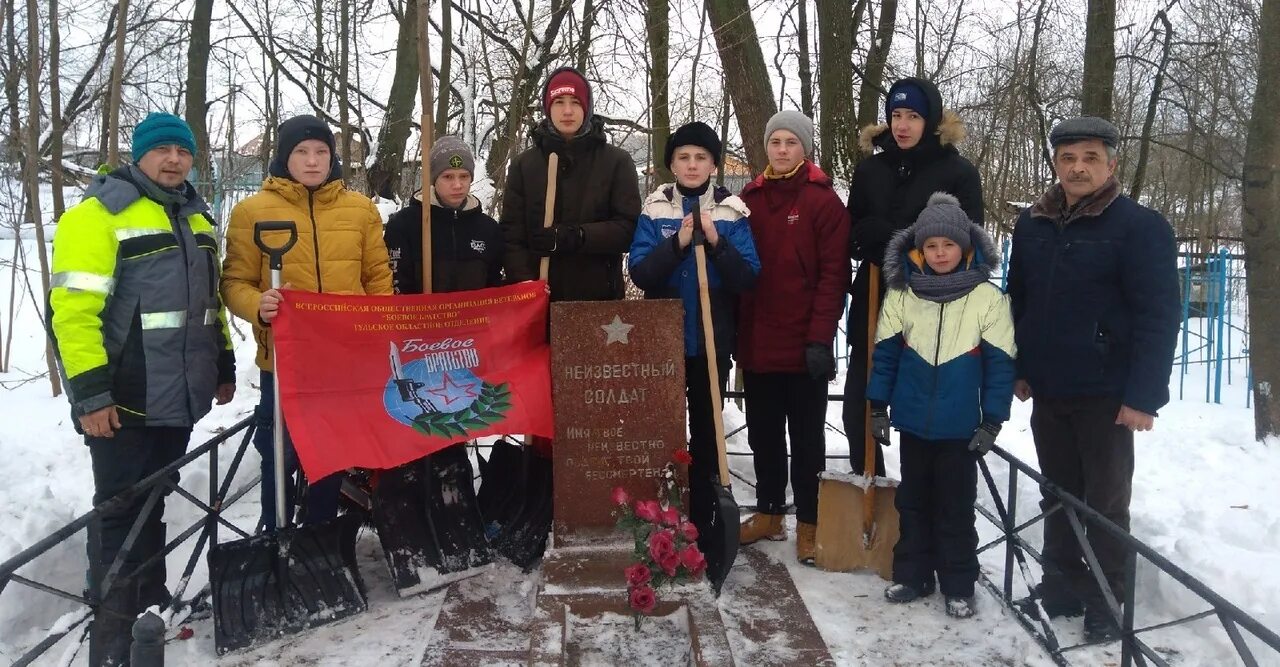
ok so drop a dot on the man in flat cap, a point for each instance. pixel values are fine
(1094, 287)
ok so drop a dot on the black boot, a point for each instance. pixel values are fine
(1099, 626)
(900, 593)
(1057, 605)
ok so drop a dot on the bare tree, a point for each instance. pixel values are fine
(116, 90)
(838, 124)
(873, 72)
(1262, 225)
(746, 77)
(55, 112)
(384, 173)
(32, 163)
(1099, 59)
(658, 32)
(197, 86)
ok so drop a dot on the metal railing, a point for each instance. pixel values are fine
(1133, 647)
(152, 488)
(1003, 515)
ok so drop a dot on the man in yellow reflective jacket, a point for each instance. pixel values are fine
(142, 343)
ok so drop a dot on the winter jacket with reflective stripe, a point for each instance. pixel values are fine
(339, 250)
(943, 368)
(134, 310)
(659, 267)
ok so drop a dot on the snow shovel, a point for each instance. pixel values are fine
(428, 521)
(718, 539)
(283, 582)
(857, 521)
(520, 522)
(425, 511)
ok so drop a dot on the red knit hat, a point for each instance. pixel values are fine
(567, 81)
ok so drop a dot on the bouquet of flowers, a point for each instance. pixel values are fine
(666, 550)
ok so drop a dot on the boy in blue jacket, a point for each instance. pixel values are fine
(662, 264)
(943, 363)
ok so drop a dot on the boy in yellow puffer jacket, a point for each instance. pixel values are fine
(943, 361)
(339, 251)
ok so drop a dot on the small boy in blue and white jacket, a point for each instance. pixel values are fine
(944, 364)
(662, 264)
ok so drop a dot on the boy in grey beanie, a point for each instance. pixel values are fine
(795, 123)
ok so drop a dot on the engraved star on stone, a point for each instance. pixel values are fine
(617, 331)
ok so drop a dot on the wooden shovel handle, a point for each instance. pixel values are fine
(869, 442)
(549, 209)
(713, 365)
(427, 136)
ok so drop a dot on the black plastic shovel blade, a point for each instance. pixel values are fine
(717, 529)
(428, 522)
(280, 583)
(523, 539)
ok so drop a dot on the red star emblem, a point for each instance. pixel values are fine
(468, 390)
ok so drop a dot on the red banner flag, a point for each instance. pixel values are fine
(378, 381)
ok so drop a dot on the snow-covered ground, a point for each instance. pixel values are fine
(1204, 496)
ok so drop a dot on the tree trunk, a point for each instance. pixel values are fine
(588, 24)
(806, 69)
(1099, 59)
(426, 136)
(658, 29)
(197, 87)
(55, 112)
(32, 163)
(384, 174)
(838, 126)
(317, 56)
(116, 90)
(446, 64)
(869, 93)
(746, 78)
(1262, 225)
(1157, 86)
(344, 102)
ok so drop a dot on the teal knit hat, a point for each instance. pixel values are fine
(161, 129)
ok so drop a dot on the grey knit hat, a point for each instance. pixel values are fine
(942, 216)
(450, 152)
(794, 122)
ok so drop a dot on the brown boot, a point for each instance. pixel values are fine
(762, 526)
(805, 534)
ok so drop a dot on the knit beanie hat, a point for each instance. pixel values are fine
(794, 122)
(295, 131)
(567, 81)
(161, 129)
(942, 216)
(450, 152)
(908, 96)
(697, 134)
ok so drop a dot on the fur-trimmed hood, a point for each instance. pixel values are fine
(901, 257)
(951, 132)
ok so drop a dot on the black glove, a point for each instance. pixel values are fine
(880, 426)
(820, 361)
(555, 240)
(984, 438)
